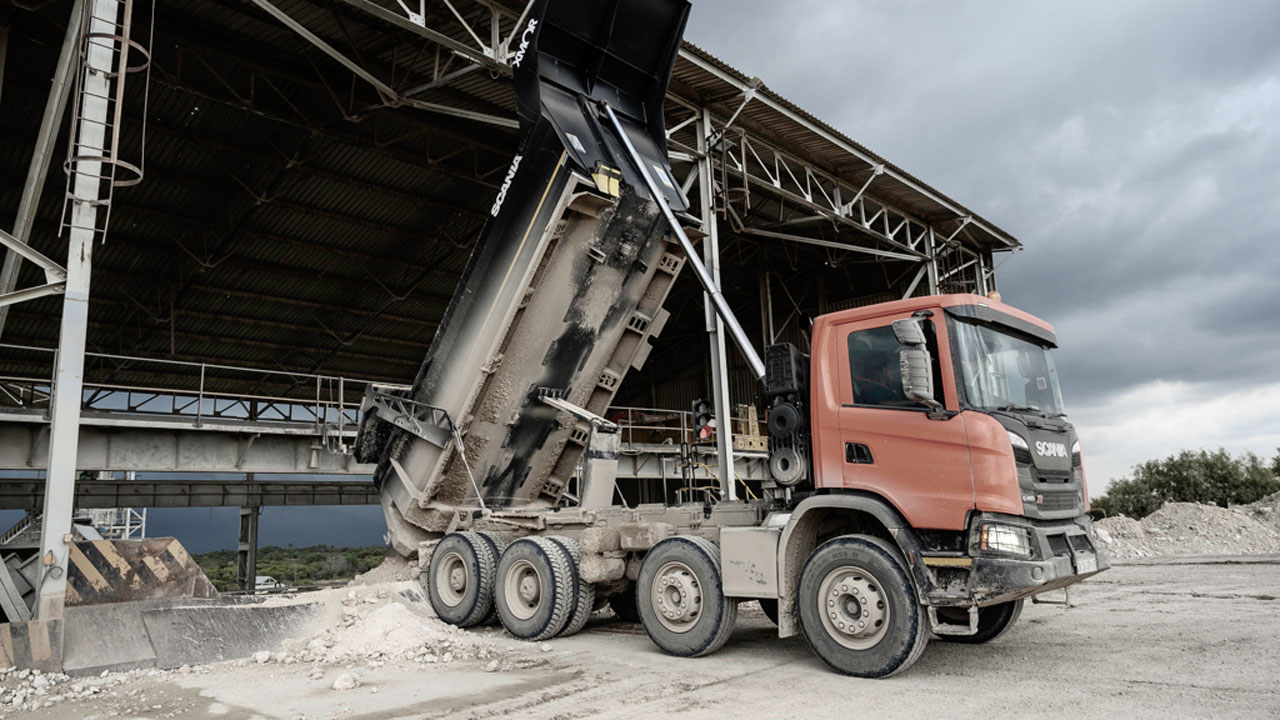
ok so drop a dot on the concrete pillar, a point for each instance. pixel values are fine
(715, 326)
(68, 381)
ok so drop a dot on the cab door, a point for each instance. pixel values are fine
(893, 446)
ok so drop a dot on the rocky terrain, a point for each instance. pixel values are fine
(1180, 529)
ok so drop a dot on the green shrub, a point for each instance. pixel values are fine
(1200, 477)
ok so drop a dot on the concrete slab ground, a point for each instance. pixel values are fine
(1197, 638)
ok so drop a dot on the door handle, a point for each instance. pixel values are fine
(858, 454)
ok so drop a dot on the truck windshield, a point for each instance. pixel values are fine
(1002, 371)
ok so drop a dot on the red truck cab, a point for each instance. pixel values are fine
(980, 467)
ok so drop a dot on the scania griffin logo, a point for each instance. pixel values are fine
(506, 185)
(1051, 449)
(525, 37)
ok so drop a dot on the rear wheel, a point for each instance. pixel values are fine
(993, 621)
(858, 608)
(681, 599)
(460, 579)
(584, 592)
(534, 592)
(499, 544)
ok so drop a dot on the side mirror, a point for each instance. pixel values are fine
(909, 331)
(915, 362)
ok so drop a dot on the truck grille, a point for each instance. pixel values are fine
(1057, 500)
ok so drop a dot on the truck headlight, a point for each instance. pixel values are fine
(1075, 454)
(1008, 539)
(1021, 450)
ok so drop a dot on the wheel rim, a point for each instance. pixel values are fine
(452, 579)
(522, 589)
(853, 606)
(676, 597)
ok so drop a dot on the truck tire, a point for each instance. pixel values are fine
(584, 592)
(858, 608)
(993, 621)
(499, 544)
(460, 579)
(770, 608)
(624, 605)
(534, 590)
(680, 597)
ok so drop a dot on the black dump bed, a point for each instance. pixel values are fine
(564, 288)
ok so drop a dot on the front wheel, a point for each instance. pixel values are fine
(858, 608)
(993, 621)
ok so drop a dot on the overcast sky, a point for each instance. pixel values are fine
(1132, 146)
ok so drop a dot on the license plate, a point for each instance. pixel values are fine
(1086, 564)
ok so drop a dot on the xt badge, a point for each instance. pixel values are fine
(525, 37)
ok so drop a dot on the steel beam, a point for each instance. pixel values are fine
(714, 324)
(389, 95)
(42, 154)
(831, 137)
(19, 494)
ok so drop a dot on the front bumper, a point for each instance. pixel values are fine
(1064, 553)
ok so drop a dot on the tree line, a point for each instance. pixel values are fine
(1208, 478)
(294, 566)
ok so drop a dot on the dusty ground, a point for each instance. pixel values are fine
(1185, 638)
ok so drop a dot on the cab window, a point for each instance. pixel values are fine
(876, 370)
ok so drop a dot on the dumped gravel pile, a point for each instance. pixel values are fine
(393, 569)
(393, 623)
(1192, 529)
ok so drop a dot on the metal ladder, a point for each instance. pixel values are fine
(108, 55)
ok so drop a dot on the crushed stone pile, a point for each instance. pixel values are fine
(1193, 529)
(1266, 510)
(394, 568)
(373, 625)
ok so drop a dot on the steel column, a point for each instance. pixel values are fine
(932, 263)
(247, 547)
(715, 325)
(42, 154)
(64, 433)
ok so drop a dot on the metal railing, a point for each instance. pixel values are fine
(329, 408)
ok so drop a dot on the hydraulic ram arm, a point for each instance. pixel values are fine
(704, 276)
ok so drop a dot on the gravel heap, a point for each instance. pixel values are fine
(22, 691)
(373, 625)
(393, 569)
(1193, 529)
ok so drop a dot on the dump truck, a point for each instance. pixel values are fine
(924, 479)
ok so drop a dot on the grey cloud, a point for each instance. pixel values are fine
(1134, 147)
